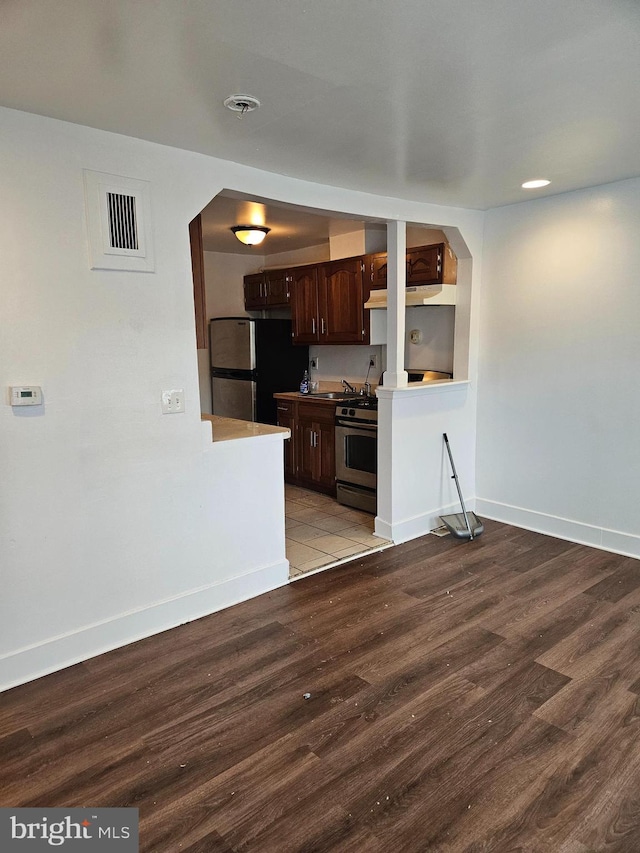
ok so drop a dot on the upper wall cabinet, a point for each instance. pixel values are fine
(305, 305)
(254, 295)
(327, 300)
(268, 289)
(434, 264)
(327, 303)
(431, 265)
(340, 288)
(376, 270)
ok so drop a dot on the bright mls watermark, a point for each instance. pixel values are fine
(80, 830)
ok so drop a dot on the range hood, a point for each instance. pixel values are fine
(425, 294)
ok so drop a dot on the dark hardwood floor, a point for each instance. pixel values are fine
(466, 697)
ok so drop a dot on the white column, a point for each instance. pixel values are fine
(395, 376)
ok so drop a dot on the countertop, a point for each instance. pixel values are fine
(230, 429)
(297, 396)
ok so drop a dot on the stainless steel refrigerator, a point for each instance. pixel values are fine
(251, 360)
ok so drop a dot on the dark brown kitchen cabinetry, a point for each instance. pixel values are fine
(310, 455)
(327, 299)
(254, 293)
(341, 301)
(431, 265)
(317, 455)
(434, 264)
(268, 289)
(327, 303)
(376, 270)
(305, 306)
(277, 287)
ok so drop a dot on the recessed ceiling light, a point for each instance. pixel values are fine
(534, 185)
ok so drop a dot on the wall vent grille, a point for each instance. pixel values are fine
(123, 227)
(119, 223)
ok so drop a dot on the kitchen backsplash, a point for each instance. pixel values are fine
(347, 362)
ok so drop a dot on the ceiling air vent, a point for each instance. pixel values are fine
(119, 223)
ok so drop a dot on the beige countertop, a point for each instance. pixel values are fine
(229, 429)
(296, 395)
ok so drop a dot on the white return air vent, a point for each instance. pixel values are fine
(119, 223)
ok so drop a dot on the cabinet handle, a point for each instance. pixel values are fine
(313, 325)
(322, 325)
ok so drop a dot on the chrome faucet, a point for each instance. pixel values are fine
(348, 387)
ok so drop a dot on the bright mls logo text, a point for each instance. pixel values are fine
(60, 831)
(77, 829)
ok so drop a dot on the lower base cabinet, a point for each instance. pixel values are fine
(310, 453)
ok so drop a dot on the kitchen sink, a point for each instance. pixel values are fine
(332, 395)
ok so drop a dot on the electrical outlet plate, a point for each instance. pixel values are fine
(373, 361)
(172, 402)
(313, 363)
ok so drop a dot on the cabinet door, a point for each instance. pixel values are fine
(286, 418)
(377, 270)
(277, 287)
(424, 265)
(341, 301)
(254, 292)
(306, 447)
(316, 447)
(304, 305)
(326, 456)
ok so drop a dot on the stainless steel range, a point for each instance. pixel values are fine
(357, 452)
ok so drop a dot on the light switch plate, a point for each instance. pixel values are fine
(172, 402)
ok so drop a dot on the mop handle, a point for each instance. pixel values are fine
(455, 477)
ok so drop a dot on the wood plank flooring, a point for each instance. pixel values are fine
(464, 698)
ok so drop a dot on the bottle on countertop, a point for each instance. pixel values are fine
(304, 383)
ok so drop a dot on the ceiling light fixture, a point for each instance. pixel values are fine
(534, 185)
(250, 235)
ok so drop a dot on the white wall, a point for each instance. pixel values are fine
(224, 282)
(559, 400)
(308, 255)
(116, 520)
(435, 350)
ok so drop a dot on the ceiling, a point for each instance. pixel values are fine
(291, 228)
(449, 101)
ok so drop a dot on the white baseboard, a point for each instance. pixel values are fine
(417, 525)
(615, 541)
(32, 662)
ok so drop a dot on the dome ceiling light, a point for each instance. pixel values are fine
(250, 235)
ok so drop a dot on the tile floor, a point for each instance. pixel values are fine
(321, 532)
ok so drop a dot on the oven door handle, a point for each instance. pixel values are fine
(366, 426)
